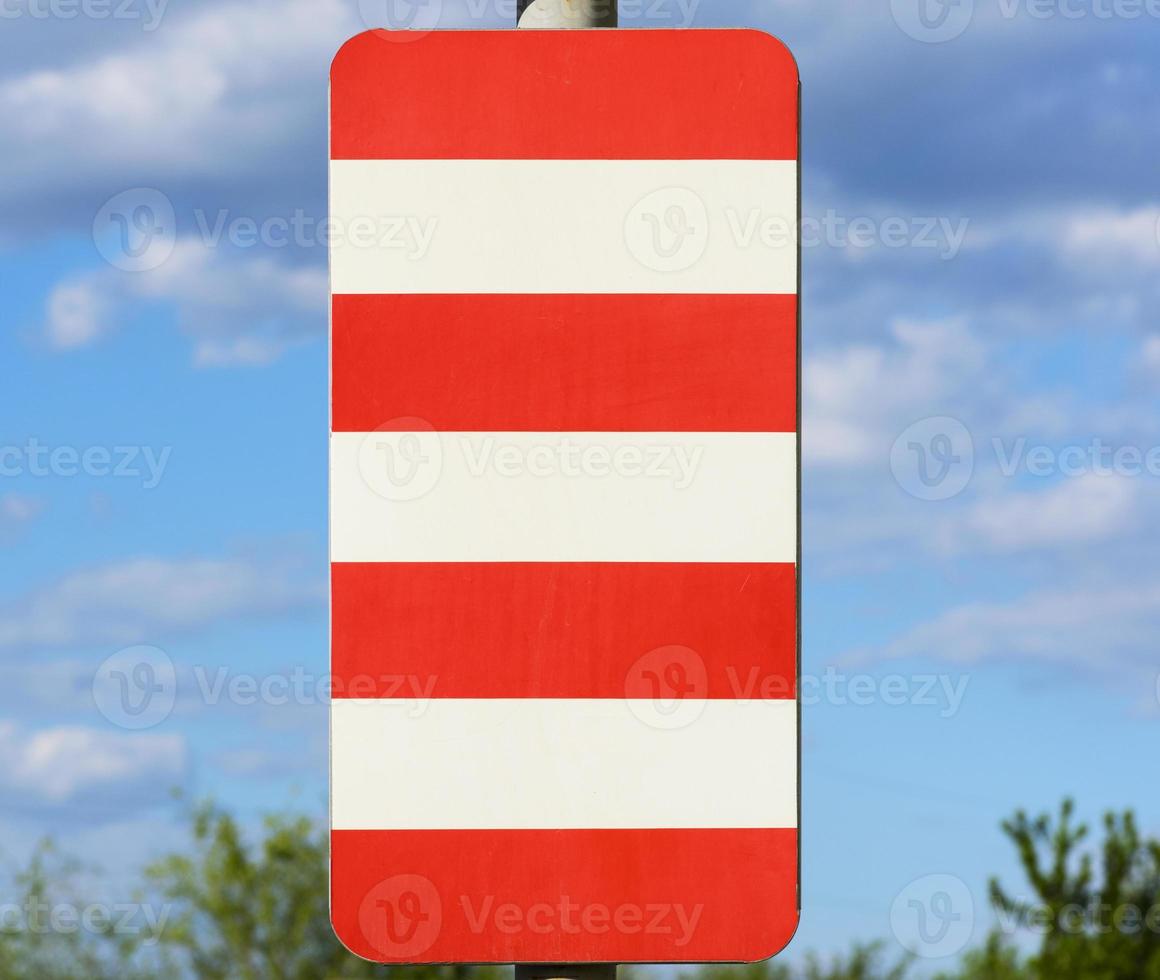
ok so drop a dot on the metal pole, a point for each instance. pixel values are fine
(566, 971)
(565, 13)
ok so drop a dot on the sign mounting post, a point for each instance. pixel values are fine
(564, 498)
(565, 14)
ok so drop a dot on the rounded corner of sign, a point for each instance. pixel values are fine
(356, 945)
(347, 49)
(781, 50)
(778, 943)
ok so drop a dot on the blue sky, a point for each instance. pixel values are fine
(1015, 163)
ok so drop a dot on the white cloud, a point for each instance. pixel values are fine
(219, 90)
(272, 761)
(18, 509)
(1089, 241)
(1107, 236)
(856, 399)
(1078, 510)
(66, 764)
(237, 308)
(145, 599)
(1105, 628)
(76, 316)
(1150, 353)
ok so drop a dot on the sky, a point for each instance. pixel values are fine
(981, 359)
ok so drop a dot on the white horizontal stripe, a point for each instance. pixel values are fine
(563, 226)
(532, 763)
(564, 496)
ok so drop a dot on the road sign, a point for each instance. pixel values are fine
(564, 496)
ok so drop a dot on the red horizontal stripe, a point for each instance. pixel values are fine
(564, 895)
(564, 630)
(695, 94)
(724, 363)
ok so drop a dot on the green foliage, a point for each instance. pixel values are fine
(237, 909)
(1104, 929)
(865, 962)
(48, 933)
(251, 913)
(996, 960)
(261, 912)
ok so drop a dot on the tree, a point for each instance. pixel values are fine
(48, 933)
(996, 960)
(261, 912)
(257, 909)
(1105, 929)
(865, 962)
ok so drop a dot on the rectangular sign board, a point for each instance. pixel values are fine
(564, 496)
